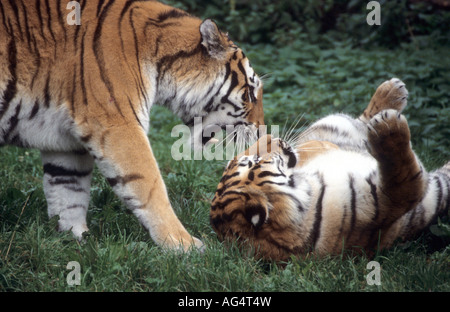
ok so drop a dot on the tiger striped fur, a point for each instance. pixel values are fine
(347, 184)
(82, 95)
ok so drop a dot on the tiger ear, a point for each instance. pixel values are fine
(256, 210)
(212, 39)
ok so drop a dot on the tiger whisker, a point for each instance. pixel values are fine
(293, 126)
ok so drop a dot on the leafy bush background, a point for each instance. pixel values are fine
(322, 56)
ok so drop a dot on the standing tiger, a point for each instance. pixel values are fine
(82, 95)
(346, 183)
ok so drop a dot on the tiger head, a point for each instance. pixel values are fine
(236, 98)
(257, 199)
(253, 202)
(208, 81)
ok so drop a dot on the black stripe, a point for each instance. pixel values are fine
(76, 206)
(226, 177)
(62, 22)
(134, 113)
(99, 7)
(98, 53)
(37, 59)
(11, 87)
(13, 121)
(417, 175)
(13, 5)
(83, 82)
(315, 233)
(234, 183)
(373, 236)
(74, 188)
(242, 69)
(124, 180)
(227, 72)
(72, 96)
(373, 192)
(49, 21)
(34, 110)
(270, 174)
(63, 180)
(4, 19)
(171, 14)
(341, 229)
(209, 105)
(157, 43)
(447, 205)
(125, 9)
(291, 181)
(77, 29)
(47, 97)
(86, 138)
(223, 204)
(41, 19)
(27, 28)
(352, 207)
(237, 115)
(233, 84)
(138, 62)
(168, 60)
(59, 171)
(247, 197)
(439, 186)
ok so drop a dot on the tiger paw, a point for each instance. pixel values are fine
(391, 94)
(388, 135)
(183, 244)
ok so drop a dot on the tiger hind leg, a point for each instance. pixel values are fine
(67, 182)
(391, 94)
(403, 180)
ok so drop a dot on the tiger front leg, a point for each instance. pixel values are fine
(403, 180)
(67, 183)
(124, 156)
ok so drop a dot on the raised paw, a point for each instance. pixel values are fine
(391, 94)
(388, 135)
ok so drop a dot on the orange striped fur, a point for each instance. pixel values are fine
(82, 94)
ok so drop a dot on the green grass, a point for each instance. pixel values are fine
(119, 255)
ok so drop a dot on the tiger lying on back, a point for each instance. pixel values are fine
(363, 188)
(82, 94)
